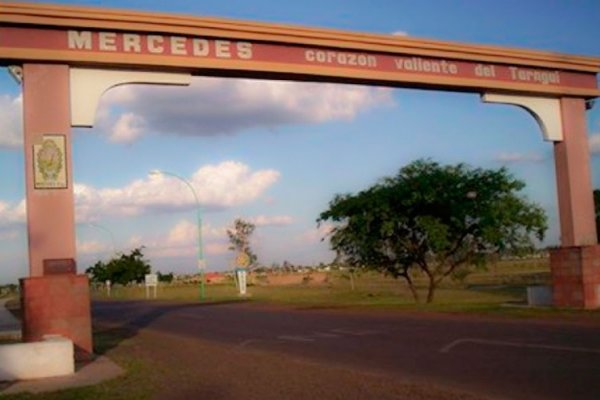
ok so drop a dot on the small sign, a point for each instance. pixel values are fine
(201, 264)
(59, 266)
(50, 162)
(151, 280)
(242, 260)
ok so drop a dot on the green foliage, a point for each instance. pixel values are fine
(239, 238)
(8, 290)
(597, 205)
(167, 278)
(123, 269)
(460, 274)
(433, 218)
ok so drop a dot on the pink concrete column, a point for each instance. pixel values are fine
(52, 304)
(50, 212)
(575, 265)
(574, 183)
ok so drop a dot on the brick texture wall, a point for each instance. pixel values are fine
(576, 276)
(58, 304)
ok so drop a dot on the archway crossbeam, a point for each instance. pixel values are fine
(120, 39)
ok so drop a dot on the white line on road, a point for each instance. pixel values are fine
(450, 346)
(331, 334)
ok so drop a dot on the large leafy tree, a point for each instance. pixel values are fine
(123, 269)
(239, 238)
(597, 204)
(433, 218)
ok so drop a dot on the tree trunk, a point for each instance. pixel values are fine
(352, 280)
(412, 288)
(431, 289)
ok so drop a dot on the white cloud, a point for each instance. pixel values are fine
(20, 212)
(4, 210)
(185, 233)
(11, 121)
(127, 129)
(399, 33)
(10, 215)
(92, 247)
(219, 186)
(271, 220)
(215, 248)
(231, 183)
(317, 234)
(182, 234)
(12, 220)
(595, 143)
(213, 106)
(182, 241)
(135, 241)
(515, 157)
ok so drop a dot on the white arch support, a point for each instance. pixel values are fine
(88, 85)
(545, 110)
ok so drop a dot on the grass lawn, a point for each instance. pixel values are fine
(370, 290)
(500, 290)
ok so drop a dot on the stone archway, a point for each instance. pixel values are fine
(68, 56)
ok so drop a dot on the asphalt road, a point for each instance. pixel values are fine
(496, 358)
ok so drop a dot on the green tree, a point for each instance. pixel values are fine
(597, 205)
(167, 278)
(239, 238)
(433, 218)
(123, 269)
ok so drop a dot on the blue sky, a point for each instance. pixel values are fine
(276, 153)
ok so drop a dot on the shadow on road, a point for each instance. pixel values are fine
(109, 333)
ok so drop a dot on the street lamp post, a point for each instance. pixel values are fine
(201, 262)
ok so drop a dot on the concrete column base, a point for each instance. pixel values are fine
(58, 305)
(576, 276)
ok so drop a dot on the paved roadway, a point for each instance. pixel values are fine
(502, 359)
